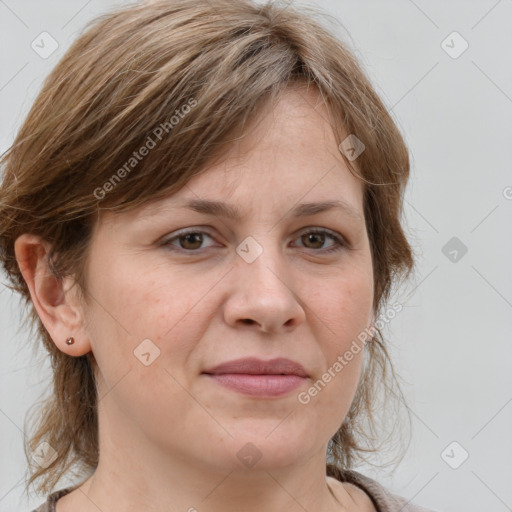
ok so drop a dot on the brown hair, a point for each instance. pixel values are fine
(198, 70)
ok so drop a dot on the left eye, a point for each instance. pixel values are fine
(191, 241)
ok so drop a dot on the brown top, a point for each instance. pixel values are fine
(383, 500)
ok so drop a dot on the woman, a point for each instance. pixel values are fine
(202, 211)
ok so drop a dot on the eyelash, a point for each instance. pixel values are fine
(340, 243)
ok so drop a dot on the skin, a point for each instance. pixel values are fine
(169, 437)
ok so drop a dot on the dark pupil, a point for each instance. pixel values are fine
(312, 236)
(190, 237)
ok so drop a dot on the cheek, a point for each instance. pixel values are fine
(343, 306)
(340, 312)
(122, 314)
(327, 400)
(141, 348)
(343, 311)
(142, 298)
(158, 304)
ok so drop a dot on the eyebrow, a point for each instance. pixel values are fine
(220, 209)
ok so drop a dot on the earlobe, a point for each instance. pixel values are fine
(54, 299)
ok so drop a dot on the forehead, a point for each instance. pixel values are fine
(288, 154)
(287, 145)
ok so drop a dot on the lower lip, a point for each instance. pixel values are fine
(259, 385)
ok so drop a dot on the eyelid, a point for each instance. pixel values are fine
(340, 241)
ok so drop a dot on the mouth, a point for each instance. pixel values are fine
(255, 377)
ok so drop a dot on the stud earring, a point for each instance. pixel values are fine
(70, 341)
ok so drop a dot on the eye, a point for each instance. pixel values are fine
(188, 240)
(318, 236)
(191, 240)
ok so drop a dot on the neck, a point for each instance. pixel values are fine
(141, 484)
(146, 479)
(135, 473)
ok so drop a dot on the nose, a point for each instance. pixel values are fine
(263, 295)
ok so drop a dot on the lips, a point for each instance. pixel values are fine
(255, 366)
(259, 379)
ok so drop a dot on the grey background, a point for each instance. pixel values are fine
(451, 342)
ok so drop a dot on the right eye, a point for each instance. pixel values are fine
(188, 241)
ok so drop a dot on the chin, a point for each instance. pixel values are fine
(263, 451)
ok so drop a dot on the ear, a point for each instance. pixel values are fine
(56, 300)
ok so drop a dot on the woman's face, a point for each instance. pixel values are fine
(166, 307)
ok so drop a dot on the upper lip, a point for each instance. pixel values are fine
(255, 366)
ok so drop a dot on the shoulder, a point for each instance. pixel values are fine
(361, 487)
(360, 498)
(49, 504)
